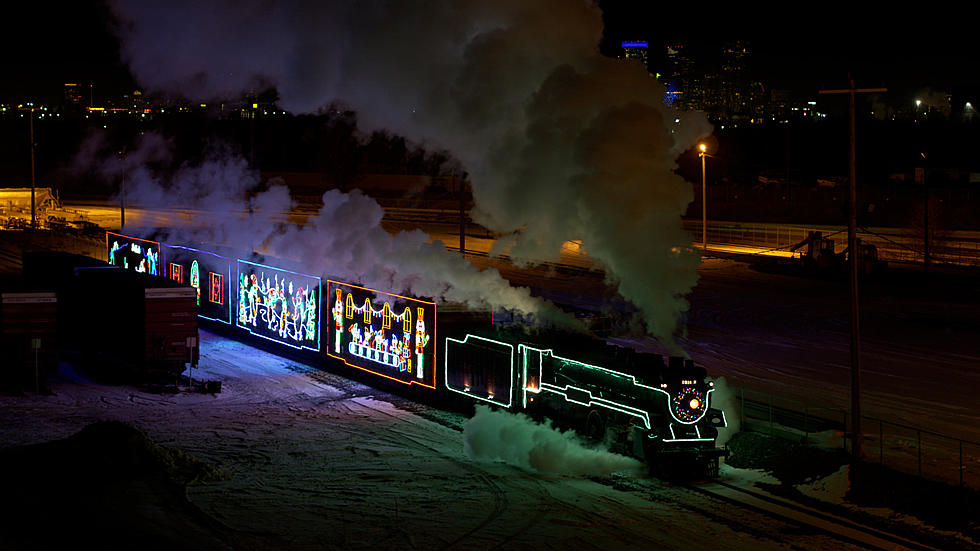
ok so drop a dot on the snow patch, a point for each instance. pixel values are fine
(831, 489)
(755, 476)
(518, 440)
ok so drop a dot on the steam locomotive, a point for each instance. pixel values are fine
(638, 404)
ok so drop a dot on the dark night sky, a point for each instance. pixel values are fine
(903, 51)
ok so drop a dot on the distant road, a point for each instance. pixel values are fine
(763, 239)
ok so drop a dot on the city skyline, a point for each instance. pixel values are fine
(76, 43)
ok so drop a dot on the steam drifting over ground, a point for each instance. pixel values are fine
(518, 440)
(560, 142)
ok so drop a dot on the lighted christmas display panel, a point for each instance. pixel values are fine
(385, 334)
(132, 253)
(208, 273)
(279, 305)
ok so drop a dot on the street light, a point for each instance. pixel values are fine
(702, 152)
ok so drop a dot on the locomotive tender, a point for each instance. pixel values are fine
(659, 412)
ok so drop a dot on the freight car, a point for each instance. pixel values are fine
(643, 406)
(28, 325)
(119, 322)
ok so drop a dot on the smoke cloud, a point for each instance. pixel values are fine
(560, 142)
(518, 440)
(344, 239)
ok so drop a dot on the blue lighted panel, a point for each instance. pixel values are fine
(133, 253)
(279, 305)
(207, 272)
(388, 335)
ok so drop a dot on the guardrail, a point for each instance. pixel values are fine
(912, 450)
(894, 244)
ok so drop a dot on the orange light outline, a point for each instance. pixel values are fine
(435, 347)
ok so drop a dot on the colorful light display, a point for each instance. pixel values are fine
(688, 404)
(382, 333)
(279, 305)
(197, 268)
(132, 253)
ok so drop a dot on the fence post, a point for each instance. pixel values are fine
(770, 413)
(918, 437)
(741, 410)
(806, 429)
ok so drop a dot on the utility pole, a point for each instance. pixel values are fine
(122, 193)
(856, 436)
(31, 108)
(462, 212)
(925, 216)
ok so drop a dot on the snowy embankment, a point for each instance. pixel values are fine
(310, 460)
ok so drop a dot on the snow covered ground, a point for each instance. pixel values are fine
(316, 461)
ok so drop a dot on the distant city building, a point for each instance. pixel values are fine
(636, 49)
(721, 88)
(73, 93)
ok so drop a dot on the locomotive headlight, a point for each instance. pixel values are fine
(695, 403)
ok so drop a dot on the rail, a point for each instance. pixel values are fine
(927, 454)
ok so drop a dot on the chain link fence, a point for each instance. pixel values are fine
(908, 449)
(893, 244)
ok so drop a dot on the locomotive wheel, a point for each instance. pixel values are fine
(595, 426)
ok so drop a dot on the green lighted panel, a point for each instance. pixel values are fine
(490, 398)
(530, 380)
(597, 401)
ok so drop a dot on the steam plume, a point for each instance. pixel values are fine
(517, 440)
(344, 239)
(560, 142)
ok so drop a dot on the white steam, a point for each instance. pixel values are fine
(518, 440)
(344, 239)
(723, 398)
(560, 142)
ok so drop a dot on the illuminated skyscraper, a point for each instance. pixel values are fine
(73, 93)
(636, 49)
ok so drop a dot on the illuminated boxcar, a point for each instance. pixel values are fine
(208, 273)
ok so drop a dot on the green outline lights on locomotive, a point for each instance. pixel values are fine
(664, 411)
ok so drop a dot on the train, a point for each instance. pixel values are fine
(654, 408)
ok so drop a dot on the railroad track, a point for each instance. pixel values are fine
(793, 513)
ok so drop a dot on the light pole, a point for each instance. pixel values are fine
(702, 152)
(32, 108)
